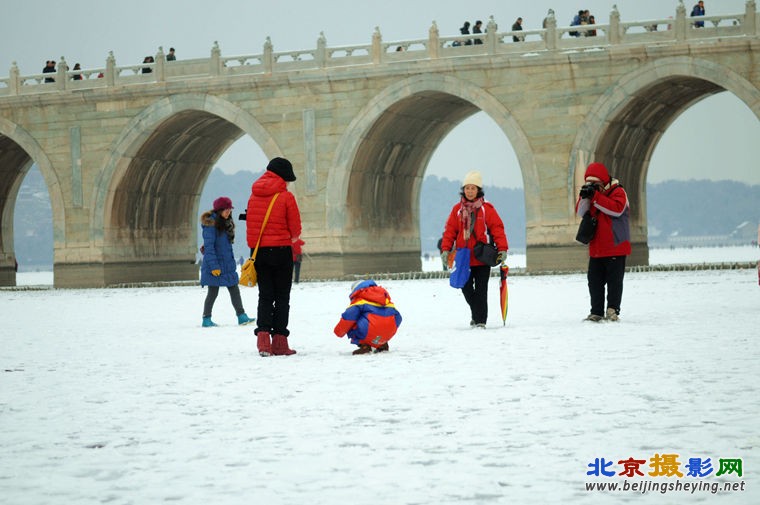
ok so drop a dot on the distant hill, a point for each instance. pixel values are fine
(714, 209)
(679, 212)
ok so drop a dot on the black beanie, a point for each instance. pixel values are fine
(283, 168)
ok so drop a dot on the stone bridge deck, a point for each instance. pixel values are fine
(553, 38)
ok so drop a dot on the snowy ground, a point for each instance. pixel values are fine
(119, 396)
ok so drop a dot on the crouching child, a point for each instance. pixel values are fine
(371, 320)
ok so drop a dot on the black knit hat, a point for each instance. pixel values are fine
(283, 168)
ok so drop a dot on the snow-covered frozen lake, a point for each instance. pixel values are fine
(119, 396)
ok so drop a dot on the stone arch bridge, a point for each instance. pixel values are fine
(125, 153)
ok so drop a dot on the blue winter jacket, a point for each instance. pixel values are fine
(217, 254)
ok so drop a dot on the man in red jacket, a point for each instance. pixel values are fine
(607, 202)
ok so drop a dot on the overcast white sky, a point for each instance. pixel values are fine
(718, 132)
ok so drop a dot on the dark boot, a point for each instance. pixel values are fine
(280, 346)
(363, 349)
(264, 343)
(382, 348)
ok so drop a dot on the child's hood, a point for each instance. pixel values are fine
(370, 292)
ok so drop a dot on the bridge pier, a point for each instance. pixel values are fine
(7, 275)
(97, 275)
(338, 266)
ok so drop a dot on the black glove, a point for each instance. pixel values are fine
(587, 191)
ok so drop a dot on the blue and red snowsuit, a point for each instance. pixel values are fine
(371, 319)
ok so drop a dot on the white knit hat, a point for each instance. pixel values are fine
(473, 177)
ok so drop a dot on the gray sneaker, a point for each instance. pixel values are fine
(593, 318)
(612, 315)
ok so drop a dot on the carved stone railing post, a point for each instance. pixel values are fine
(491, 30)
(160, 65)
(614, 36)
(61, 78)
(321, 55)
(433, 42)
(267, 59)
(15, 82)
(550, 38)
(110, 69)
(268, 56)
(680, 25)
(215, 67)
(377, 47)
(750, 18)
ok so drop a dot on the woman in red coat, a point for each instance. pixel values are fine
(607, 202)
(473, 220)
(274, 259)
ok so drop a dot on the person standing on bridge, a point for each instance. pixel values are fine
(607, 202)
(517, 27)
(465, 30)
(49, 69)
(218, 267)
(470, 221)
(698, 10)
(477, 30)
(271, 201)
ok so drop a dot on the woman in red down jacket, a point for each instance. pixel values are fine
(471, 221)
(607, 201)
(274, 260)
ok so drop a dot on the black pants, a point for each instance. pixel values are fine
(213, 292)
(476, 293)
(274, 271)
(607, 271)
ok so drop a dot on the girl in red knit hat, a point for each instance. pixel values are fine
(219, 267)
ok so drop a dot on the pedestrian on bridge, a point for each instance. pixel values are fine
(49, 69)
(517, 27)
(698, 10)
(465, 30)
(478, 29)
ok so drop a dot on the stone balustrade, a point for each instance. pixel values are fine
(554, 38)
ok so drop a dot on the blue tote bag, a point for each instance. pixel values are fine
(460, 270)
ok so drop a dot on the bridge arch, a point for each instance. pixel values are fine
(18, 152)
(146, 202)
(635, 113)
(374, 185)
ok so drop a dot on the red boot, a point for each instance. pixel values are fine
(280, 346)
(264, 343)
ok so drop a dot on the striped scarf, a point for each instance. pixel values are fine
(468, 209)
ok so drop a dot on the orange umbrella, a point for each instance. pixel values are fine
(504, 294)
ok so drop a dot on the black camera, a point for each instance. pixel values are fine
(588, 190)
(243, 215)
